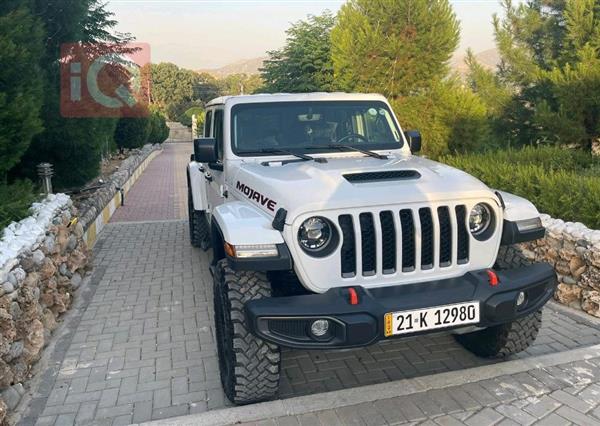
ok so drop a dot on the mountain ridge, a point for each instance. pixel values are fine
(488, 58)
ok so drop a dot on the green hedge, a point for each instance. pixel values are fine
(562, 183)
(15, 202)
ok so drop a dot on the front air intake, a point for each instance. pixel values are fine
(392, 175)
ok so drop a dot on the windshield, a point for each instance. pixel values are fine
(315, 126)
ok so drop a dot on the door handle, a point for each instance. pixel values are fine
(208, 177)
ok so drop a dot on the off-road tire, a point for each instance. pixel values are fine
(249, 366)
(199, 230)
(503, 340)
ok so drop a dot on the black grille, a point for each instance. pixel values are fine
(399, 240)
(445, 236)
(367, 236)
(463, 235)
(408, 240)
(348, 250)
(293, 328)
(426, 238)
(388, 242)
(383, 176)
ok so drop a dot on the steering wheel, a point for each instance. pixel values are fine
(353, 135)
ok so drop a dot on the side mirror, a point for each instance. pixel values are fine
(414, 140)
(205, 150)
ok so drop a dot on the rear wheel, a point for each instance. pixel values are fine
(249, 366)
(199, 231)
(503, 340)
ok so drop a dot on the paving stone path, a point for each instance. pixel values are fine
(566, 394)
(143, 346)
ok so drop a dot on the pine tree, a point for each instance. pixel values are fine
(394, 47)
(304, 64)
(401, 49)
(550, 52)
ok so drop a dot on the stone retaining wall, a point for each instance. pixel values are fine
(574, 251)
(43, 260)
(46, 264)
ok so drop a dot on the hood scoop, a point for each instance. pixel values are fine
(383, 176)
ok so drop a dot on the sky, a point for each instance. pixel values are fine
(201, 34)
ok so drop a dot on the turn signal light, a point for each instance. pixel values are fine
(493, 278)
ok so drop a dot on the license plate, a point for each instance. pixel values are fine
(405, 322)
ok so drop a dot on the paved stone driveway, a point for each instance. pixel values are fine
(161, 192)
(142, 347)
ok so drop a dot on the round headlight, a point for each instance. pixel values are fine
(315, 233)
(480, 219)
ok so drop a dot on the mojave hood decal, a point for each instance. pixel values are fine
(256, 196)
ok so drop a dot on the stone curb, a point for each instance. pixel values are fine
(358, 395)
(98, 208)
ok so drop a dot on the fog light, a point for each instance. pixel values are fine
(319, 328)
(521, 298)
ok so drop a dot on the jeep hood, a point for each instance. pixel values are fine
(308, 186)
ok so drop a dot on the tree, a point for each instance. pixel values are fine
(550, 58)
(304, 64)
(402, 49)
(174, 90)
(237, 84)
(20, 83)
(74, 146)
(394, 47)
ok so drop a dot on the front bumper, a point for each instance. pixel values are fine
(286, 320)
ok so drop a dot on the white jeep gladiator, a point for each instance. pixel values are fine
(328, 232)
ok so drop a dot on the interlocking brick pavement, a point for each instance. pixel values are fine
(145, 348)
(536, 397)
(161, 192)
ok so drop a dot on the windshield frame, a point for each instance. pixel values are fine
(315, 149)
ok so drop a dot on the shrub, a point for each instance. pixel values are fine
(186, 117)
(159, 131)
(132, 132)
(555, 180)
(15, 202)
(451, 119)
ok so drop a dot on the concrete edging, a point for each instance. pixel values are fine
(358, 395)
(94, 228)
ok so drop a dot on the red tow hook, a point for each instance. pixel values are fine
(493, 278)
(353, 296)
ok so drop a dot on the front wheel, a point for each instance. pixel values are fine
(249, 366)
(503, 340)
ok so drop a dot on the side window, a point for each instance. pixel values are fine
(219, 132)
(207, 124)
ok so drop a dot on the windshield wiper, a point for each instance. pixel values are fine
(283, 151)
(353, 148)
